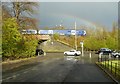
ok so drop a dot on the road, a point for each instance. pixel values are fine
(59, 69)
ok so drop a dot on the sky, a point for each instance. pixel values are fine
(61, 0)
(51, 14)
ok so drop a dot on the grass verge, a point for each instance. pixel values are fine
(112, 67)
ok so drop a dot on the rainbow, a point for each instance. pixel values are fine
(77, 19)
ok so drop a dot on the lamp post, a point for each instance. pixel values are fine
(75, 38)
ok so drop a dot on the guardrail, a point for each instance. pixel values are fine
(112, 65)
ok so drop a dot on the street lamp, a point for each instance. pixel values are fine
(75, 37)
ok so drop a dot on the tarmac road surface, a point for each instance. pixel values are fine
(59, 69)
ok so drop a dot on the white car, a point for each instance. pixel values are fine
(72, 52)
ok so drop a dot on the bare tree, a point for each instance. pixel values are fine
(23, 12)
(4, 11)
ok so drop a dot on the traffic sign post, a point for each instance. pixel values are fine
(82, 48)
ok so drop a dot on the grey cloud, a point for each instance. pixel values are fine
(51, 13)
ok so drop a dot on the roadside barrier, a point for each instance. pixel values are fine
(112, 65)
(44, 53)
(90, 54)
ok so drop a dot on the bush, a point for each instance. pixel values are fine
(14, 45)
(56, 36)
(27, 48)
(10, 37)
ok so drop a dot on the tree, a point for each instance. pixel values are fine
(22, 12)
(14, 46)
(56, 36)
(5, 13)
(0, 29)
(10, 37)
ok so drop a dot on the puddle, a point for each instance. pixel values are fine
(71, 58)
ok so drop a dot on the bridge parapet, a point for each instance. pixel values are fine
(38, 37)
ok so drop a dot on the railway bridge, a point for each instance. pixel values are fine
(40, 38)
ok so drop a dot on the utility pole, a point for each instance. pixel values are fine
(52, 37)
(75, 37)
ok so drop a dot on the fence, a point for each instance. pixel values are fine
(111, 64)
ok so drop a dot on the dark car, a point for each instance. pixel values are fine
(116, 54)
(39, 52)
(105, 51)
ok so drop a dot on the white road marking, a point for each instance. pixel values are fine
(25, 72)
(14, 76)
(17, 74)
(7, 78)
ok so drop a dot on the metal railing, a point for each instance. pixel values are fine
(111, 64)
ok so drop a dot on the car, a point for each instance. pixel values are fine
(115, 54)
(72, 52)
(104, 51)
(39, 52)
(119, 54)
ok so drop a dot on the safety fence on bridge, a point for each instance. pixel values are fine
(110, 64)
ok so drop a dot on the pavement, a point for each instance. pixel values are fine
(60, 69)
